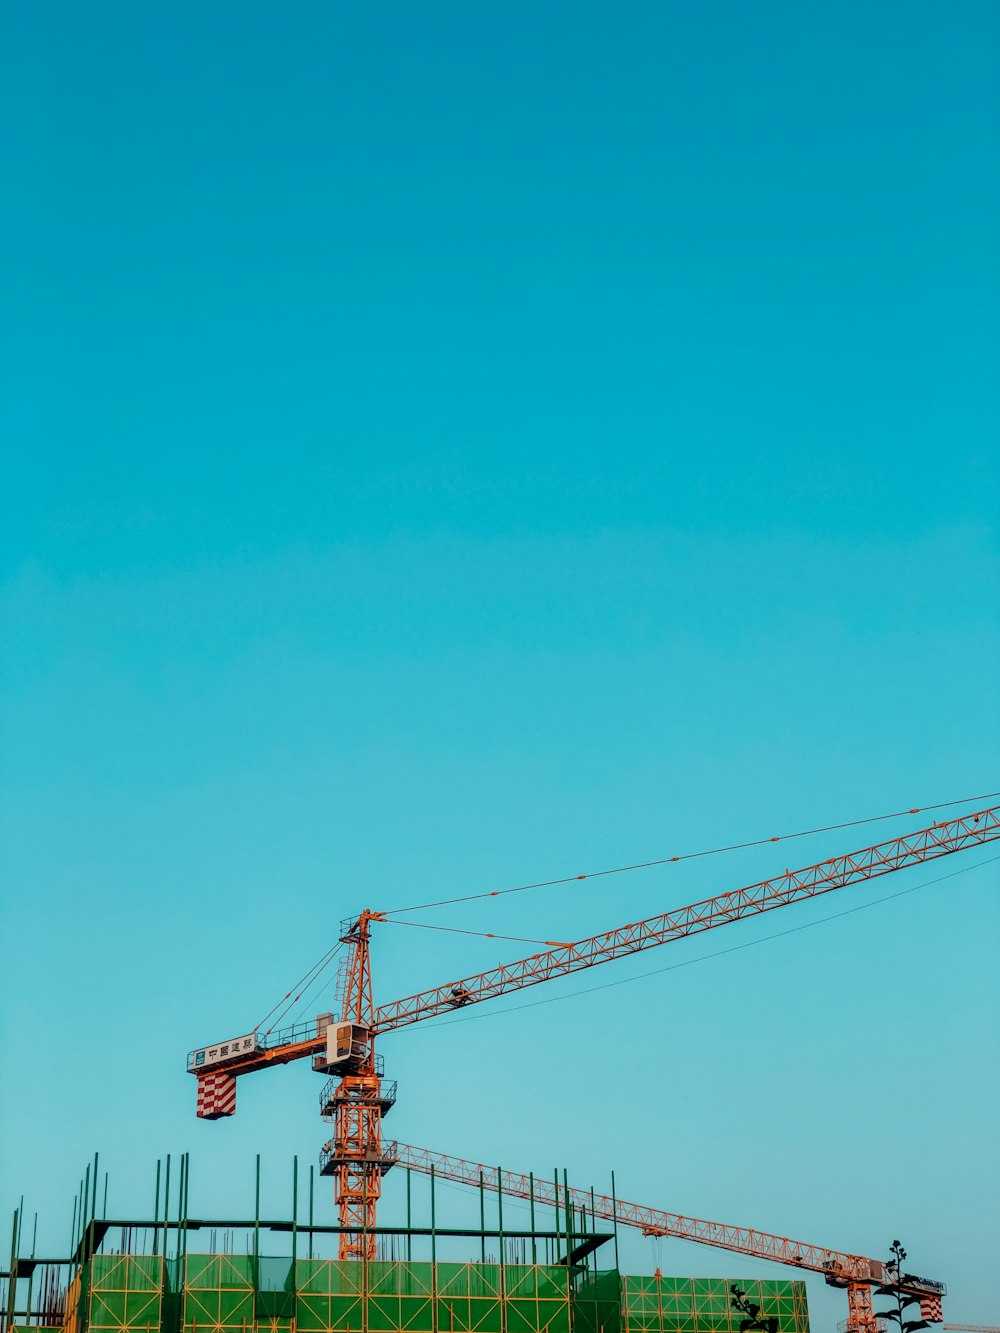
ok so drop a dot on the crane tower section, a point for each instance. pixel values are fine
(354, 1098)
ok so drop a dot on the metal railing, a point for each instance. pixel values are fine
(374, 1155)
(387, 1092)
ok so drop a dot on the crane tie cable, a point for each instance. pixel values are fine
(482, 934)
(686, 856)
(478, 1014)
(317, 968)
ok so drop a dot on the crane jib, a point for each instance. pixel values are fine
(767, 895)
(838, 1267)
(912, 849)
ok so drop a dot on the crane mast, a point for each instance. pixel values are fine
(354, 1154)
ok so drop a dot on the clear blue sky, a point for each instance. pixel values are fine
(452, 445)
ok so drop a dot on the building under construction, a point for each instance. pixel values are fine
(197, 1275)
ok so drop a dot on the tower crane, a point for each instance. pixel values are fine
(851, 1271)
(356, 1099)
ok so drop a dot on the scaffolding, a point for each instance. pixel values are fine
(661, 1304)
(150, 1276)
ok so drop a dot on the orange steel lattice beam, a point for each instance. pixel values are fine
(793, 886)
(853, 1271)
(650, 1221)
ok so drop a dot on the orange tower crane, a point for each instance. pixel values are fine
(357, 1100)
(851, 1271)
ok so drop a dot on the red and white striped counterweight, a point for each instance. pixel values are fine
(216, 1095)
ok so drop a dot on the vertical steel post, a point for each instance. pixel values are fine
(614, 1213)
(156, 1211)
(256, 1239)
(295, 1211)
(482, 1218)
(569, 1248)
(434, 1281)
(180, 1212)
(12, 1280)
(93, 1208)
(179, 1229)
(502, 1284)
(311, 1176)
(182, 1217)
(83, 1304)
(166, 1207)
(433, 1221)
(256, 1230)
(365, 1257)
(409, 1218)
(31, 1275)
(84, 1208)
(531, 1194)
(555, 1205)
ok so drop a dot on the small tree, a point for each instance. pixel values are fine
(753, 1321)
(896, 1314)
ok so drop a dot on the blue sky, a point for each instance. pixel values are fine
(452, 446)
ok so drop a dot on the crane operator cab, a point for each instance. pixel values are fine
(346, 1048)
